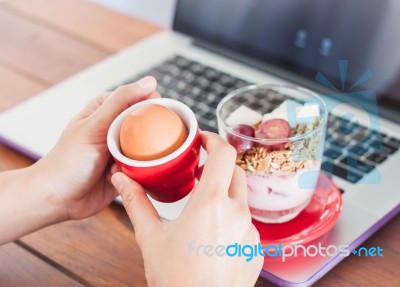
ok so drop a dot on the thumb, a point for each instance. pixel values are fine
(122, 98)
(139, 208)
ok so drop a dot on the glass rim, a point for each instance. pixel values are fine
(230, 95)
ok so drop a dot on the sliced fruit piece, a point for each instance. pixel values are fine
(274, 129)
(241, 143)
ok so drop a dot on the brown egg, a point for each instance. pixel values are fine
(151, 132)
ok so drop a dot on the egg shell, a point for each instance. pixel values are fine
(151, 132)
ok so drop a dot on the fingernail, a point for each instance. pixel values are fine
(118, 181)
(147, 84)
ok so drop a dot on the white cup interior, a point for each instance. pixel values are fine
(183, 111)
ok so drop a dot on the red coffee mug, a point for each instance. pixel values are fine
(172, 177)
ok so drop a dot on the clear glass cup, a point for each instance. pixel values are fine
(282, 152)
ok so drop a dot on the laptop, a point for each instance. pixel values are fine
(344, 50)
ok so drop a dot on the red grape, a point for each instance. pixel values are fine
(274, 129)
(240, 143)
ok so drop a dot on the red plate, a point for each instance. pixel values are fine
(314, 221)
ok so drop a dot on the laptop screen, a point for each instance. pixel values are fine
(306, 37)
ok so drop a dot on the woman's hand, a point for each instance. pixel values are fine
(75, 174)
(73, 180)
(174, 252)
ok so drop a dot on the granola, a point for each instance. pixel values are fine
(293, 157)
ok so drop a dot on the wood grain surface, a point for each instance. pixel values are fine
(43, 42)
(19, 267)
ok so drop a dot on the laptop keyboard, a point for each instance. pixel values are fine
(352, 151)
(349, 155)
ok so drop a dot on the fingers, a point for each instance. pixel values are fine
(122, 98)
(142, 213)
(218, 169)
(109, 193)
(92, 106)
(238, 188)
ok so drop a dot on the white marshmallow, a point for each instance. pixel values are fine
(281, 112)
(243, 116)
(308, 113)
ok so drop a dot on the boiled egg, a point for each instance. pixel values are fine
(151, 132)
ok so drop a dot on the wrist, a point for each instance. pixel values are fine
(24, 209)
(49, 207)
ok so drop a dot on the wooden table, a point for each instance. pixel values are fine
(43, 42)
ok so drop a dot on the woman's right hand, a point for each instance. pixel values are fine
(177, 253)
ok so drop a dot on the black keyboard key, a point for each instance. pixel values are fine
(331, 119)
(337, 145)
(200, 96)
(161, 89)
(201, 83)
(209, 116)
(359, 135)
(156, 74)
(187, 100)
(206, 127)
(197, 69)
(171, 94)
(216, 88)
(195, 92)
(332, 153)
(342, 121)
(163, 68)
(342, 139)
(167, 80)
(347, 129)
(376, 145)
(187, 77)
(173, 71)
(256, 106)
(358, 150)
(212, 75)
(227, 81)
(328, 137)
(327, 166)
(393, 142)
(182, 62)
(241, 84)
(195, 109)
(376, 135)
(214, 104)
(377, 157)
(276, 101)
(181, 86)
(381, 147)
(388, 148)
(341, 172)
(357, 164)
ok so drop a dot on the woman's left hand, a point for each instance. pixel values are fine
(75, 175)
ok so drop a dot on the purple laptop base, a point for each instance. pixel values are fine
(334, 260)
